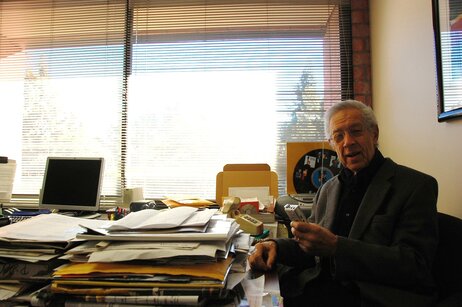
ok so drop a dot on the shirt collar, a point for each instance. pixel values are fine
(365, 174)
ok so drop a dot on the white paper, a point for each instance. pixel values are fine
(219, 228)
(254, 290)
(203, 250)
(48, 228)
(154, 219)
(151, 245)
(261, 193)
(199, 218)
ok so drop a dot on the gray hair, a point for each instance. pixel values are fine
(368, 115)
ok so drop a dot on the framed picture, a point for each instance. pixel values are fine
(447, 25)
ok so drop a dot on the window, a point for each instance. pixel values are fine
(168, 92)
(447, 24)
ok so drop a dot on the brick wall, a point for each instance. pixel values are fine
(361, 51)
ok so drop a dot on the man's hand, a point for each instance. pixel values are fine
(264, 256)
(314, 239)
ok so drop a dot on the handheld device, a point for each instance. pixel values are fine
(295, 213)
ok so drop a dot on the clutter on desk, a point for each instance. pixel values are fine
(247, 213)
(182, 255)
(183, 265)
(30, 250)
(147, 204)
(116, 213)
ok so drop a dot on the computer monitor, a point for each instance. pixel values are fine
(72, 184)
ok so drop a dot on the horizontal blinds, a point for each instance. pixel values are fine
(218, 82)
(167, 91)
(61, 65)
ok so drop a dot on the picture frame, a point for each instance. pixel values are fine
(447, 26)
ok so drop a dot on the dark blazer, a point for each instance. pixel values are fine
(390, 249)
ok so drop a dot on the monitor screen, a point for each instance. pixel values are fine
(72, 184)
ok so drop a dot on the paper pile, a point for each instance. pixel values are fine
(179, 256)
(29, 252)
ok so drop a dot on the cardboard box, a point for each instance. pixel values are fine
(245, 175)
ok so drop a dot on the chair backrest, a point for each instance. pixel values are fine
(447, 267)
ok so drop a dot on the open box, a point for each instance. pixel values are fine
(245, 175)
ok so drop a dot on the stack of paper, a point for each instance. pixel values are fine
(242, 245)
(30, 250)
(7, 172)
(180, 256)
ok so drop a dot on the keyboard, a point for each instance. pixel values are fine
(16, 215)
(19, 218)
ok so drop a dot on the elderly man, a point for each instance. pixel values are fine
(372, 234)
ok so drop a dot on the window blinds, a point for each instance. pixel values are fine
(60, 84)
(169, 91)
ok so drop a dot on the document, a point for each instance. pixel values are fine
(218, 228)
(163, 219)
(204, 250)
(153, 245)
(48, 228)
(153, 219)
(89, 247)
(9, 290)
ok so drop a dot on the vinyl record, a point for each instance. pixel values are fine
(313, 169)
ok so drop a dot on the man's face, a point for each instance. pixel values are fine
(354, 143)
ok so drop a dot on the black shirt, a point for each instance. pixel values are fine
(353, 188)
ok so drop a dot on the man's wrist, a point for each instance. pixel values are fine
(269, 241)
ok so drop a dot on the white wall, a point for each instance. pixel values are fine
(404, 97)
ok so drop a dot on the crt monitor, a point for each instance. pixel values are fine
(72, 184)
